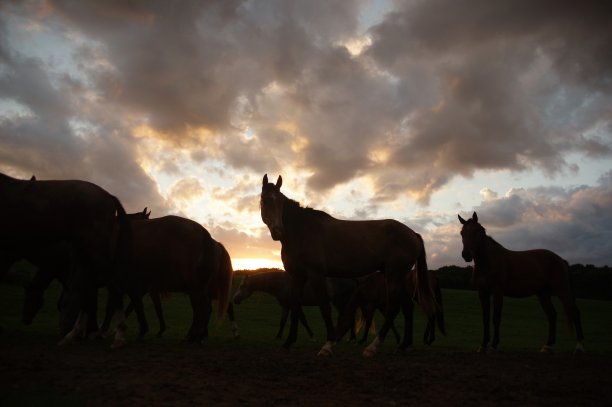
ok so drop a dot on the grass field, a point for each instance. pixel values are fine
(163, 371)
(523, 326)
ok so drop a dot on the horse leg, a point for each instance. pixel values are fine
(318, 285)
(372, 349)
(430, 331)
(159, 311)
(232, 319)
(369, 317)
(407, 309)
(304, 322)
(108, 314)
(485, 305)
(142, 320)
(573, 317)
(498, 301)
(297, 288)
(283, 321)
(92, 330)
(196, 308)
(394, 280)
(551, 315)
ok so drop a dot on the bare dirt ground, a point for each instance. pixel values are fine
(178, 374)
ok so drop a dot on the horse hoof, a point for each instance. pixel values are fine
(579, 348)
(368, 353)
(118, 343)
(546, 349)
(64, 342)
(325, 353)
(482, 349)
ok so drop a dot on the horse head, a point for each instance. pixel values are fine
(272, 205)
(244, 291)
(144, 215)
(473, 237)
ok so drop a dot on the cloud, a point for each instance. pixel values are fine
(133, 94)
(509, 85)
(576, 223)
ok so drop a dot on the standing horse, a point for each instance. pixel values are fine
(499, 272)
(174, 254)
(316, 245)
(37, 215)
(52, 263)
(278, 284)
(371, 295)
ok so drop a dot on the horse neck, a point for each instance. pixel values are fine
(298, 220)
(486, 254)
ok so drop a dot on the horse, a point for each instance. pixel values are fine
(500, 272)
(225, 268)
(316, 245)
(53, 263)
(278, 284)
(37, 215)
(371, 295)
(175, 254)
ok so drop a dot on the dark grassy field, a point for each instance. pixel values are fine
(38, 366)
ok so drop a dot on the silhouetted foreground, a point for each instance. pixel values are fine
(176, 374)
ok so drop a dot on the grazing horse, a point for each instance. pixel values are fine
(371, 295)
(499, 272)
(53, 263)
(278, 284)
(174, 254)
(316, 245)
(37, 215)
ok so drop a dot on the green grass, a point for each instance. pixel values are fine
(523, 325)
(524, 328)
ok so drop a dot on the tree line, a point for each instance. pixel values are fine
(588, 281)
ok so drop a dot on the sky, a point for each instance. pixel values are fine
(369, 109)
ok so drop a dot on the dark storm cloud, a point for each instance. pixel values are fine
(512, 84)
(43, 139)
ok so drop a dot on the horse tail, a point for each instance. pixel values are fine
(423, 287)
(222, 278)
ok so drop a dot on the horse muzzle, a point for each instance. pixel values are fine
(467, 255)
(277, 233)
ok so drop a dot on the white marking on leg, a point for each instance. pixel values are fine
(76, 329)
(579, 347)
(119, 340)
(546, 349)
(372, 348)
(234, 327)
(326, 350)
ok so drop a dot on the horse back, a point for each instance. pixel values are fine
(532, 271)
(172, 253)
(356, 248)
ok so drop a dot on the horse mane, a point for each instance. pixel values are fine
(294, 211)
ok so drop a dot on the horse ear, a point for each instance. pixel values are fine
(279, 181)
(144, 210)
(265, 180)
(33, 178)
(475, 217)
(148, 214)
(461, 219)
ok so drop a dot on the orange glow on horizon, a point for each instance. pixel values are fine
(255, 263)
